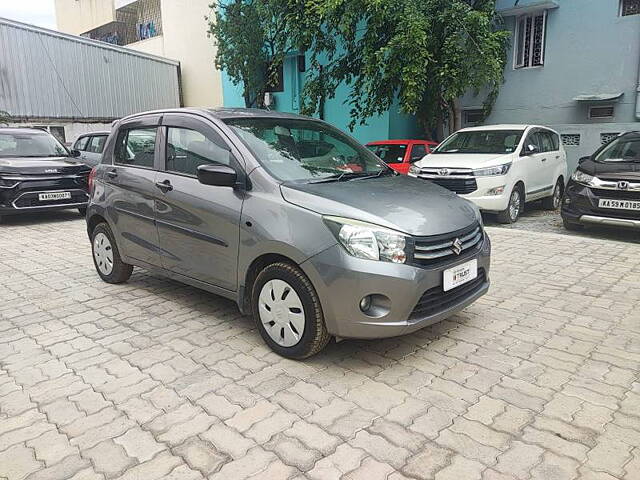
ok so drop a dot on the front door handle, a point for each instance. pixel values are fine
(165, 186)
(112, 173)
(544, 159)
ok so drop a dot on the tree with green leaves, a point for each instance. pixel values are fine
(252, 38)
(4, 117)
(423, 54)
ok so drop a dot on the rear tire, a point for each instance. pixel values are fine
(553, 202)
(287, 311)
(571, 226)
(514, 208)
(106, 256)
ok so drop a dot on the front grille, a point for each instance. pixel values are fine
(31, 200)
(616, 194)
(428, 251)
(436, 300)
(461, 186)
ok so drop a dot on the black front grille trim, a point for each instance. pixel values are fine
(426, 245)
(436, 300)
(461, 186)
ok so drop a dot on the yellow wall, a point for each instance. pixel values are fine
(184, 38)
(80, 16)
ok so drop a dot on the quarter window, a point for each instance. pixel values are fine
(530, 40)
(629, 7)
(188, 149)
(136, 147)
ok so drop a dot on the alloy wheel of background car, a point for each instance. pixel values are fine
(281, 312)
(287, 311)
(514, 205)
(106, 256)
(553, 202)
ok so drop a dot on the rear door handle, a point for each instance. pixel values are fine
(165, 186)
(544, 159)
(112, 173)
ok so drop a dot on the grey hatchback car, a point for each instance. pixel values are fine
(297, 222)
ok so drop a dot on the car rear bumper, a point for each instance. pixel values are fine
(407, 297)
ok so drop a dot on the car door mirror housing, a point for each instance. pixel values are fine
(74, 153)
(583, 159)
(217, 175)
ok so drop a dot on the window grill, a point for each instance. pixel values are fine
(606, 111)
(473, 116)
(570, 139)
(629, 7)
(607, 137)
(530, 40)
(134, 22)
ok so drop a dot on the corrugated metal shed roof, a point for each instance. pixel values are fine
(47, 74)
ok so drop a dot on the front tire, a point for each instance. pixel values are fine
(106, 256)
(514, 208)
(553, 202)
(287, 311)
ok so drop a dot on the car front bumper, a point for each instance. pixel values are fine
(23, 197)
(580, 205)
(341, 281)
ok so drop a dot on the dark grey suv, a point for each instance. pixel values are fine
(291, 218)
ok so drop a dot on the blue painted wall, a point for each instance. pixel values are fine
(590, 49)
(392, 124)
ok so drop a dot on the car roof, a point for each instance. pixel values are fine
(23, 130)
(225, 113)
(504, 126)
(401, 141)
(97, 132)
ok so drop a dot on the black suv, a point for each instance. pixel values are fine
(605, 189)
(37, 173)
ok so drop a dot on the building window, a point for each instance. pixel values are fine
(473, 117)
(135, 21)
(530, 40)
(607, 137)
(570, 139)
(629, 7)
(606, 111)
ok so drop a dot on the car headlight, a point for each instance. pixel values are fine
(368, 241)
(581, 177)
(492, 171)
(414, 170)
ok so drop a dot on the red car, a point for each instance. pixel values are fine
(400, 154)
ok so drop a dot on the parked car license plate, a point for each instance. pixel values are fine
(43, 197)
(619, 204)
(461, 274)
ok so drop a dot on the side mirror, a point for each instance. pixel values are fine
(74, 153)
(217, 175)
(583, 159)
(530, 149)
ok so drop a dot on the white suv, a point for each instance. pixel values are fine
(500, 167)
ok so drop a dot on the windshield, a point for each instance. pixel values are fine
(621, 150)
(481, 141)
(389, 153)
(30, 145)
(304, 150)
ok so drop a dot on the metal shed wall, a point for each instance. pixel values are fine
(50, 75)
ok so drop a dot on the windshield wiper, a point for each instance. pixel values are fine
(346, 176)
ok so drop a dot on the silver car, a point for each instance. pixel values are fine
(89, 147)
(303, 227)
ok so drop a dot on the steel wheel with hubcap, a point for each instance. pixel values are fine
(281, 312)
(103, 253)
(106, 256)
(287, 311)
(553, 202)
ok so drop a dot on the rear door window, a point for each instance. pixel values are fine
(136, 147)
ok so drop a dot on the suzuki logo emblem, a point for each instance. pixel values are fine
(443, 172)
(457, 246)
(623, 185)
